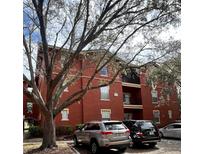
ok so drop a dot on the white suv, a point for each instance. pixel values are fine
(103, 134)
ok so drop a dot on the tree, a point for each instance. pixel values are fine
(112, 25)
(169, 69)
(167, 72)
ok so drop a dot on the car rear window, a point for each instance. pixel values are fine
(145, 125)
(114, 126)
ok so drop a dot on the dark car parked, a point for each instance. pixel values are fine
(143, 132)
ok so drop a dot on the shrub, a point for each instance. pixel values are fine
(35, 131)
(63, 130)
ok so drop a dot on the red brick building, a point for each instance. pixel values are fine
(129, 97)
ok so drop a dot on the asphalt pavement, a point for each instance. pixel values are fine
(166, 146)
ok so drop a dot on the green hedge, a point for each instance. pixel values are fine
(63, 130)
(35, 131)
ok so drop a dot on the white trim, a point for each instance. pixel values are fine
(67, 119)
(106, 110)
(152, 93)
(131, 106)
(170, 114)
(134, 85)
(129, 96)
(154, 117)
(107, 92)
(105, 100)
(105, 67)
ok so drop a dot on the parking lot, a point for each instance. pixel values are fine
(168, 146)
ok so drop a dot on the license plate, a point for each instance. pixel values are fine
(119, 134)
(151, 133)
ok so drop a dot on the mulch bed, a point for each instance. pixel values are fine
(33, 148)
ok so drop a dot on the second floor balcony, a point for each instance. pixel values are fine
(131, 101)
(131, 106)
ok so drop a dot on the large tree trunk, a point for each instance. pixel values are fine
(49, 133)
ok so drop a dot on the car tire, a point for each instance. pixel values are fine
(152, 145)
(161, 134)
(75, 141)
(122, 150)
(94, 147)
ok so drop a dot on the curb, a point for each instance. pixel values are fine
(73, 149)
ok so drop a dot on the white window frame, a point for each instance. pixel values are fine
(106, 88)
(62, 60)
(66, 89)
(170, 114)
(29, 104)
(154, 94)
(104, 69)
(104, 116)
(157, 122)
(62, 116)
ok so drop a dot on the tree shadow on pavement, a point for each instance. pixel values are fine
(85, 149)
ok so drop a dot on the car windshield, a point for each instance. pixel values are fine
(114, 126)
(145, 125)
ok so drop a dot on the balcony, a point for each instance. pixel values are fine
(134, 85)
(131, 80)
(132, 106)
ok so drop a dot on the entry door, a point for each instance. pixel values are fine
(128, 116)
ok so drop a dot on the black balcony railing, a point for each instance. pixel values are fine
(131, 77)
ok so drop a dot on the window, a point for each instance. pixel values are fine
(156, 116)
(145, 125)
(104, 71)
(168, 97)
(173, 126)
(105, 114)
(92, 127)
(62, 60)
(170, 127)
(176, 126)
(29, 107)
(104, 91)
(126, 98)
(170, 114)
(66, 89)
(114, 126)
(64, 114)
(154, 96)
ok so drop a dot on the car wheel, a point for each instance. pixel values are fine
(161, 134)
(122, 150)
(75, 141)
(152, 145)
(94, 147)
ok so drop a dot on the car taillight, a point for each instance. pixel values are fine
(106, 133)
(127, 131)
(140, 134)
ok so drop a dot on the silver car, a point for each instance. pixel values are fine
(103, 134)
(172, 130)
